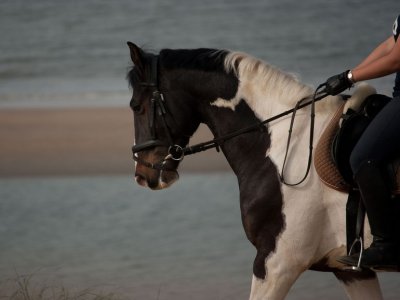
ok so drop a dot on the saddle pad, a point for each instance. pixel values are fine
(323, 162)
(326, 168)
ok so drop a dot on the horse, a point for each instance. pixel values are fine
(293, 228)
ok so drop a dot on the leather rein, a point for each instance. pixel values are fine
(177, 152)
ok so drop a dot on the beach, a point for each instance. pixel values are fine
(79, 141)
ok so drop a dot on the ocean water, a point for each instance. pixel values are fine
(108, 234)
(74, 53)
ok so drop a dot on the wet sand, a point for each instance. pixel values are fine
(80, 141)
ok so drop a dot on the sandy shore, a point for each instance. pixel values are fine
(79, 141)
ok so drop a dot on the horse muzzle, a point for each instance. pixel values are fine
(155, 179)
(162, 180)
(156, 164)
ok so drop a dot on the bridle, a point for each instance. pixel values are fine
(177, 152)
(157, 109)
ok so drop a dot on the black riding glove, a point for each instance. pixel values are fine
(338, 83)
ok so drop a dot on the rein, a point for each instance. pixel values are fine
(217, 142)
(177, 152)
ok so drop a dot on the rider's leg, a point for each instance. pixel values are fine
(379, 143)
(376, 197)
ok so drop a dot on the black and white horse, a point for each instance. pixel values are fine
(293, 228)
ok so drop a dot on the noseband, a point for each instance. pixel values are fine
(157, 110)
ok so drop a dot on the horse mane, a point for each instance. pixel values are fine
(277, 84)
(202, 59)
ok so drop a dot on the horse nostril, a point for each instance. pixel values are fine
(141, 180)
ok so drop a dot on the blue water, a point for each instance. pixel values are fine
(69, 53)
(109, 234)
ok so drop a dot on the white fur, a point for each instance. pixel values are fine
(363, 91)
(314, 214)
(227, 103)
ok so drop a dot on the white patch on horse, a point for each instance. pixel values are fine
(266, 88)
(262, 84)
(220, 102)
(269, 91)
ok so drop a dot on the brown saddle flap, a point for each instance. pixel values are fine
(326, 168)
(323, 161)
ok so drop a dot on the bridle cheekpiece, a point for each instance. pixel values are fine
(158, 110)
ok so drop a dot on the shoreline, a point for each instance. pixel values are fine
(80, 141)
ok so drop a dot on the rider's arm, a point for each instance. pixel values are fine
(383, 49)
(384, 60)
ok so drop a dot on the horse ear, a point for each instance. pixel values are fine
(136, 55)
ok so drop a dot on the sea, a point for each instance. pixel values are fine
(106, 233)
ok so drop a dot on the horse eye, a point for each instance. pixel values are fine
(135, 105)
(137, 108)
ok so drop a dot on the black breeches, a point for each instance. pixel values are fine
(381, 140)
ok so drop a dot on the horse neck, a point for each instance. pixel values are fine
(247, 151)
(266, 88)
(268, 99)
(260, 196)
(247, 154)
(252, 102)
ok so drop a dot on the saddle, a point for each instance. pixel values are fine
(333, 150)
(332, 155)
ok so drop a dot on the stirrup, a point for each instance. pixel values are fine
(358, 267)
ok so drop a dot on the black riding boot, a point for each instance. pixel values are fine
(383, 252)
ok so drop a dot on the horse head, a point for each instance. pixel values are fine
(163, 120)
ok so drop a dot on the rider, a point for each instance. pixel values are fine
(379, 142)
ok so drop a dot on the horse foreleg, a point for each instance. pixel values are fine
(275, 286)
(360, 286)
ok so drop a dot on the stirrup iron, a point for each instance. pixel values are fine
(358, 267)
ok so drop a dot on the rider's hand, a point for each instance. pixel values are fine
(338, 83)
